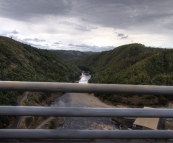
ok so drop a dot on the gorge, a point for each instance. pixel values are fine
(88, 123)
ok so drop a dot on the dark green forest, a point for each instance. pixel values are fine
(21, 62)
(131, 64)
(72, 54)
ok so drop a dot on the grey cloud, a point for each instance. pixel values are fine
(53, 45)
(85, 28)
(154, 17)
(79, 26)
(39, 46)
(124, 37)
(56, 43)
(71, 45)
(38, 40)
(3, 34)
(14, 32)
(26, 9)
(27, 39)
(82, 28)
(13, 37)
(80, 47)
(33, 40)
(124, 14)
(84, 47)
(127, 14)
(138, 16)
(120, 34)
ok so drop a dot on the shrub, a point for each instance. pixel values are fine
(140, 104)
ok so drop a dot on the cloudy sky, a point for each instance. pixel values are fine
(88, 25)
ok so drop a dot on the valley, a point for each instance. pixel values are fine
(86, 71)
(89, 123)
(80, 100)
(127, 64)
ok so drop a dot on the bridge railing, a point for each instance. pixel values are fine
(84, 112)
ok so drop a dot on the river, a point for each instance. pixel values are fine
(87, 123)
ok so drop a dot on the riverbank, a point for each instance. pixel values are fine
(91, 100)
(83, 123)
(40, 99)
(67, 100)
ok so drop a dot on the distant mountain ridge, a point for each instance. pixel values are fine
(72, 54)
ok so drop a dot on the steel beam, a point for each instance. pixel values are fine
(84, 112)
(84, 134)
(85, 88)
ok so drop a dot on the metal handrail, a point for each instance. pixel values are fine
(84, 112)
(84, 134)
(85, 88)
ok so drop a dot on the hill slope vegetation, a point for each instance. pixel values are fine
(132, 64)
(72, 54)
(21, 62)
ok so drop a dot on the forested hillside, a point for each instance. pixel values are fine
(25, 63)
(131, 64)
(72, 54)
(21, 62)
